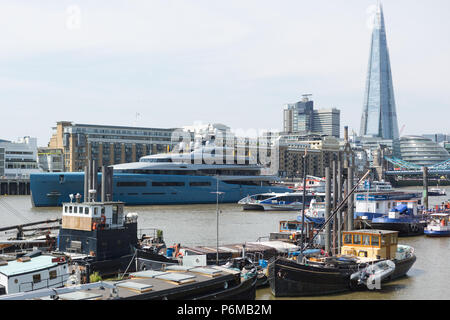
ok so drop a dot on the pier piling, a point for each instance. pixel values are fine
(425, 187)
(327, 210)
(350, 200)
(334, 205)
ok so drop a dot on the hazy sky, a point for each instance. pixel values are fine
(234, 62)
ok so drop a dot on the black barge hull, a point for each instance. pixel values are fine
(288, 278)
(404, 229)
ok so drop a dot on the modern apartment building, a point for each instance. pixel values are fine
(107, 144)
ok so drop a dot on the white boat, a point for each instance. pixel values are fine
(438, 226)
(376, 186)
(313, 184)
(278, 201)
(374, 274)
(315, 212)
(437, 192)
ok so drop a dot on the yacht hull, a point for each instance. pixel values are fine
(52, 189)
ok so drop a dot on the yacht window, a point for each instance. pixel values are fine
(86, 210)
(103, 210)
(356, 239)
(131, 184)
(200, 184)
(66, 209)
(95, 211)
(168, 184)
(70, 209)
(75, 209)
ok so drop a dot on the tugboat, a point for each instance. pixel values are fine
(98, 236)
(438, 226)
(361, 250)
(403, 217)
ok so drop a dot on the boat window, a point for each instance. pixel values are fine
(52, 274)
(168, 184)
(70, 209)
(36, 278)
(66, 209)
(200, 184)
(347, 238)
(375, 240)
(95, 211)
(86, 210)
(131, 184)
(75, 209)
(366, 240)
(378, 205)
(103, 210)
(356, 239)
(393, 239)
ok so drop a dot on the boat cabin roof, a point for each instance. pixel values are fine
(371, 232)
(34, 264)
(440, 215)
(84, 204)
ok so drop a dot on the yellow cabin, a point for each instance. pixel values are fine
(370, 244)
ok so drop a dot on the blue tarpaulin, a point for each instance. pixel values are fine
(401, 208)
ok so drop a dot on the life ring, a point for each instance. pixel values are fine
(179, 254)
(94, 226)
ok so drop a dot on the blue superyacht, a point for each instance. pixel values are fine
(172, 178)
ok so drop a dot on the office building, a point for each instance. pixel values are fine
(327, 122)
(106, 144)
(301, 118)
(379, 116)
(50, 160)
(18, 158)
(422, 151)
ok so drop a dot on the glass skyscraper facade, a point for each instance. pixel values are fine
(379, 117)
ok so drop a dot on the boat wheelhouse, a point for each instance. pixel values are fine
(403, 217)
(363, 252)
(99, 235)
(376, 204)
(438, 226)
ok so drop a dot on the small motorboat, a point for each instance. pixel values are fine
(436, 192)
(373, 274)
(438, 226)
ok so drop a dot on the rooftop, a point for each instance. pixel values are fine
(36, 263)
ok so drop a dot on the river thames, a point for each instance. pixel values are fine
(192, 225)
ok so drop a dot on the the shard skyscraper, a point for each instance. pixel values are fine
(379, 117)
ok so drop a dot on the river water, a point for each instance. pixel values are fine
(192, 225)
